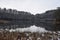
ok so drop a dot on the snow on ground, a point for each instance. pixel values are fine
(29, 29)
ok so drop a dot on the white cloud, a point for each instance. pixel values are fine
(33, 6)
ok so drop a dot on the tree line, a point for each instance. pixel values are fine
(49, 20)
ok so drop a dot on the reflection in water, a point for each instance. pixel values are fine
(25, 24)
(16, 24)
(29, 29)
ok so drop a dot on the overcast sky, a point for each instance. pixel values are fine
(33, 6)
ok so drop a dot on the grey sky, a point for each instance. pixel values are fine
(33, 6)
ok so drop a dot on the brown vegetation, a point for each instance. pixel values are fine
(6, 35)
